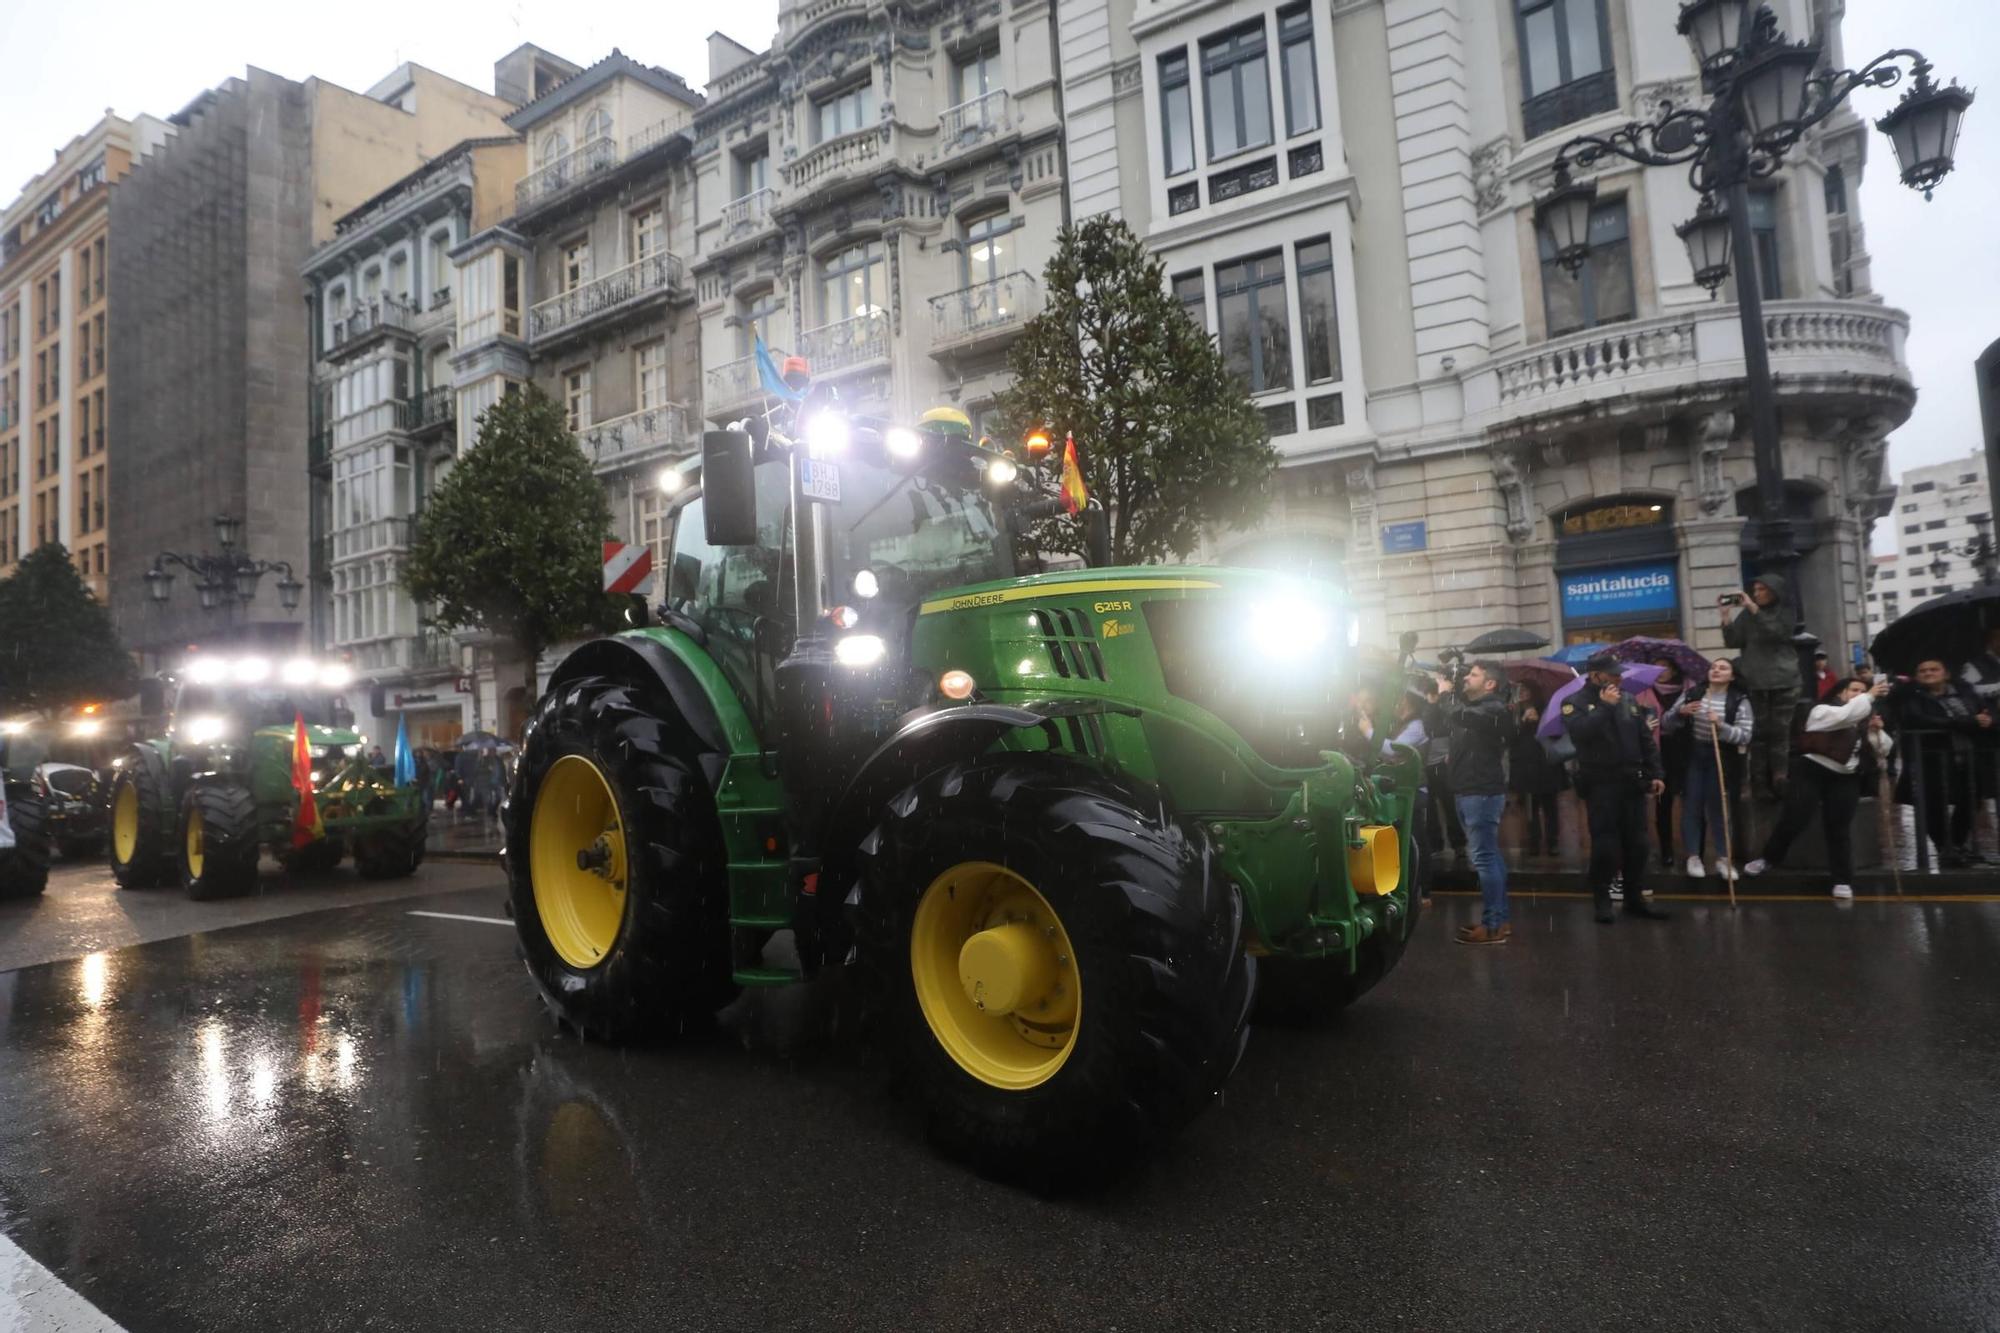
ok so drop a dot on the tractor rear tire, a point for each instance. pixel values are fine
(616, 873)
(217, 847)
(24, 867)
(315, 857)
(141, 855)
(392, 853)
(1312, 992)
(1162, 988)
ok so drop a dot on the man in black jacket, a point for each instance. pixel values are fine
(1943, 723)
(1481, 726)
(1618, 766)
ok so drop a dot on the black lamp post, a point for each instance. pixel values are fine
(1764, 94)
(221, 580)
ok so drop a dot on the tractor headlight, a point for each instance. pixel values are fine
(316, 777)
(859, 650)
(300, 671)
(204, 730)
(1001, 472)
(828, 434)
(903, 442)
(349, 751)
(1287, 633)
(13, 726)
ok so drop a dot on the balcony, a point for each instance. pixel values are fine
(733, 386)
(845, 344)
(367, 322)
(1817, 347)
(432, 410)
(984, 315)
(797, 18)
(649, 138)
(415, 652)
(835, 159)
(373, 538)
(599, 298)
(567, 172)
(650, 435)
(1577, 100)
(437, 313)
(973, 122)
(747, 216)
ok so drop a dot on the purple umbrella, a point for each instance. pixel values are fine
(1693, 666)
(1637, 676)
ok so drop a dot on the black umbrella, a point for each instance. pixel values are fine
(1506, 641)
(1951, 629)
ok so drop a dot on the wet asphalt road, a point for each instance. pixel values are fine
(1783, 1117)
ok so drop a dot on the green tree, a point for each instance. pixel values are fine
(58, 647)
(1166, 437)
(509, 542)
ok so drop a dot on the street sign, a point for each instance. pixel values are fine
(1401, 537)
(626, 566)
(819, 480)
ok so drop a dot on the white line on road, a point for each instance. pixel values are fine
(454, 916)
(33, 1297)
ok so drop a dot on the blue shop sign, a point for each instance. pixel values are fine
(1401, 537)
(1623, 590)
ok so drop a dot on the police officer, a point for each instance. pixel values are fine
(1618, 766)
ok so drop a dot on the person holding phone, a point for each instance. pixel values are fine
(1825, 778)
(1759, 626)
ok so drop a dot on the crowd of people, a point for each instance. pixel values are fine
(1694, 743)
(468, 782)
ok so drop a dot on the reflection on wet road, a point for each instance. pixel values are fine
(1781, 1117)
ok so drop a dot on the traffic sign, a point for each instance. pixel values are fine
(626, 566)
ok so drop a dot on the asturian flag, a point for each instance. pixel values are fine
(406, 758)
(773, 382)
(1074, 496)
(306, 825)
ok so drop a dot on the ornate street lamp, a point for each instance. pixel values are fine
(1764, 94)
(220, 580)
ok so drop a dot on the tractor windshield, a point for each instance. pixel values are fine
(257, 706)
(917, 533)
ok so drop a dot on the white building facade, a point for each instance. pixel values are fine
(1940, 512)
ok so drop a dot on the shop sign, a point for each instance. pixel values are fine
(464, 685)
(1401, 537)
(405, 700)
(1622, 590)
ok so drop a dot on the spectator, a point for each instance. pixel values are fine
(1481, 728)
(1538, 780)
(1668, 689)
(1769, 661)
(1360, 738)
(376, 759)
(1717, 716)
(1444, 821)
(1826, 763)
(1824, 682)
(1982, 676)
(1618, 766)
(1943, 720)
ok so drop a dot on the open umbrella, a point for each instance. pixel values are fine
(1538, 678)
(1500, 641)
(1636, 677)
(1951, 628)
(1576, 654)
(481, 740)
(1693, 666)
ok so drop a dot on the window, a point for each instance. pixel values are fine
(853, 282)
(1318, 324)
(758, 320)
(554, 147)
(90, 177)
(1967, 478)
(1913, 550)
(753, 170)
(846, 112)
(1602, 292)
(1255, 321)
(1190, 291)
(437, 266)
(1176, 114)
(1236, 85)
(83, 278)
(97, 345)
(510, 296)
(1764, 234)
(597, 125)
(649, 365)
(1840, 240)
(649, 232)
(576, 397)
(1922, 486)
(1931, 526)
(988, 252)
(97, 247)
(1295, 53)
(97, 435)
(974, 76)
(1565, 63)
(399, 275)
(83, 427)
(1909, 509)
(1912, 527)
(371, 283)
(575, 264)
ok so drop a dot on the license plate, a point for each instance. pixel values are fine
(819, 480)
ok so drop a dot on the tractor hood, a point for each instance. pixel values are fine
(317, 737)
(1254, 586)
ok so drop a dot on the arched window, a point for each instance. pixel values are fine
(554, 147)
(597, 125)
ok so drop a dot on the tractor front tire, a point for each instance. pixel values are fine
(24, 867)
(218, 847)
(141, 853)
(1312, 992)
(1060, 963)
(615, 866)
(392, 853)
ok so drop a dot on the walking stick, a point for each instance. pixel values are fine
(1722, 787)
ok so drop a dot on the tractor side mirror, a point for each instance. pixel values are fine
(728, 489)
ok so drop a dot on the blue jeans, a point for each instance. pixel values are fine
(1701, 805)
(1481, 817)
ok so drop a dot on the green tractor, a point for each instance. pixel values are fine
(1055, 822)
(197, 805)
(25, 848)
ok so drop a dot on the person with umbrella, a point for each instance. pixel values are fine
(1721, 721)
(1618, 766)
(1950, 720)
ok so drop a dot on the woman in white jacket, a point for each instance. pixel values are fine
(1825, 758)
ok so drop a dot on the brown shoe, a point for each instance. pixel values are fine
(1481, 935)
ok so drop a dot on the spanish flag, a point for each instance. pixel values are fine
(306, 825)
(1074, 496)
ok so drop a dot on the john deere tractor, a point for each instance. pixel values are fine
(1052, 820)
(25, 852)
(197, 805)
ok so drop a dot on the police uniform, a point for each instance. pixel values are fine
(1617, 760)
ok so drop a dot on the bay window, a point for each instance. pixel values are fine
(1176, 114)
(1319, 326)
(1236, 84)
(1295, 50)
(1255, 321)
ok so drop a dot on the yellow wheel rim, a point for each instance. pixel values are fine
(576, 861)
(194, 841)
(125, 824)
(995, 975)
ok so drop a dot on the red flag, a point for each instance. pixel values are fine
(306, 825)
(1074, 496)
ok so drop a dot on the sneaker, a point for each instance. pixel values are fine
(1843, 891)
(1617, 888)
(1723, 869)
(1695, 868)
(1756, 867)
(1499, 934)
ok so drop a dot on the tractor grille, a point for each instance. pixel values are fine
(1072, 646)
(1206, 659)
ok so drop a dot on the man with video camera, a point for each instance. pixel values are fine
(1472, 708)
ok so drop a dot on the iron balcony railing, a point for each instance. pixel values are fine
(637, 437)
(375, 535)
(735, 384)
(977, 118)
(847, 342)
(993, 307)
(655, 273)
(751, 213)
(435, 406)
(571, 169)
(375, 316)
(650, 137)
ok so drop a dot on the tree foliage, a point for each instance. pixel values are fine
(58, 647)
(1166, 436)
(510, 541)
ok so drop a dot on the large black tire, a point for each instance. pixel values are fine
(81, 849)
(227, 840)
(24, 867)
(393, 853)
(150, 859)
(1311, 992)
(315, 857)
(668, 968)
(1157, 934)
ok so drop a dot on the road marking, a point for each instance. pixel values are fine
(33, 1297)
(1722, 900)
(454, 916)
